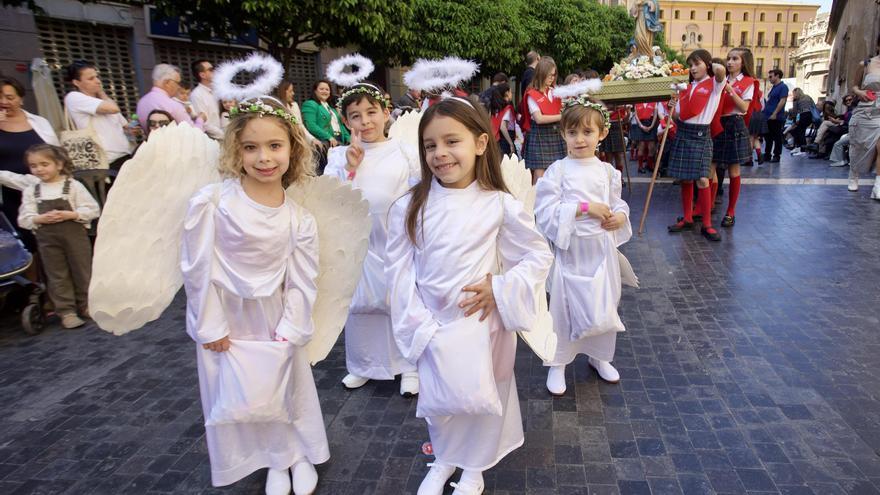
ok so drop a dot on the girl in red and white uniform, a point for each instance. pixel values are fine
(544, 144)
(644, 133)
(732, 146)
(691, 155)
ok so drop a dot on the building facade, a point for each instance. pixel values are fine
(126, 42)
(854, 34)
(810, 58)
(770, 29)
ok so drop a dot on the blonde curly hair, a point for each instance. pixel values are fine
(302, 162)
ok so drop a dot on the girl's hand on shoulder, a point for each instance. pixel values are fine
(354, 155)
(483, 298)
(614, 222)
(599, 211)
(333, 142)
(221, 345)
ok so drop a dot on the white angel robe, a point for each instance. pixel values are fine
(465, 234)
(385, 174)
(586, 274)
(249, 273)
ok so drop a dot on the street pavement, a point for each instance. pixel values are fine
(748, 366)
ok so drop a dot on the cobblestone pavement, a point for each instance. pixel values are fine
(749, 366)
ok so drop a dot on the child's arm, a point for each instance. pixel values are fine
(300, 287)
(619, 220)
(412, 321)
(28, 218)
(19, 182)
(336, 163)
(84, 205)
(525, 259)
(555, 219)
(205, 322)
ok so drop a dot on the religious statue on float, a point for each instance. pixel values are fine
(647, 13)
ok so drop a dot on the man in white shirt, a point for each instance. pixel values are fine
(202, 97)
(89, 105)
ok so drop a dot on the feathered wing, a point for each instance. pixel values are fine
(136, 265)
(406, 128)
(343, 219)
(541, 339)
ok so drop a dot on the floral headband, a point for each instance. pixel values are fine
(584, 100)
(364, 88)
(257, 106)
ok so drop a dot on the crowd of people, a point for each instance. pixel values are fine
(437, 279)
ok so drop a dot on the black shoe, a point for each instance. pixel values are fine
(762, 158)
(728, 221)
(711, 234)
(680, 225)
(789, 147)
(775, 160)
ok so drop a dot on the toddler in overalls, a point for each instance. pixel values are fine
(58, 209)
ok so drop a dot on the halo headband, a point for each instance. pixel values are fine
(336, 70)
(271, 69)
(437, 75)
(364, 88)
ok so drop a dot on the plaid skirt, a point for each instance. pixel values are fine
(732, 146)
(637, 134)
(691, 153)
(758, 124)
(613, 143)
(544, 145)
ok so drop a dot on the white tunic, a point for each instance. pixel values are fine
(249, 273)
(586, 276)
(384, 175)
(466, 234)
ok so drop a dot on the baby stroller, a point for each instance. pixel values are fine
(14, 260)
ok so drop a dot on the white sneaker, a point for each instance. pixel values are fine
(278, 482)
(875, 192)
(605, 370)
(841, 163)
(409, 383)
(436, 479)
(353, 381)
(556, 380)
(305, 478)
(853, 184)
(471, 483)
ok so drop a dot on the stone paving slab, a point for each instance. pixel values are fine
(750, 366)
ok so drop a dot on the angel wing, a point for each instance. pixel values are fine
(343, 219)
(136, 265)
(406, 128)
(541, 339)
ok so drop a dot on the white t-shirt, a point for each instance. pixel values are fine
(108, 126)
(506, 118)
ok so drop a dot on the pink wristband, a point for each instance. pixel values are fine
(585, 207)
(351, 175)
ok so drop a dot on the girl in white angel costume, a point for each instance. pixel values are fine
(383, 169)
(258, 303)
(579, 209)
(459, 245)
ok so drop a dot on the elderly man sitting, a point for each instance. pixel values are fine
(166, 85)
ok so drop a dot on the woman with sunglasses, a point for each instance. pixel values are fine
(157, 119)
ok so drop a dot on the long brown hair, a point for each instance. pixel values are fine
(701, 55)
(487, 167)
(545, 66)
(748, 60)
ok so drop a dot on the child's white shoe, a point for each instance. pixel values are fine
(305, 478)
(436, 479)
(278, 482)
(875, 192)
(605, 370)
(353, 381)
(556, 380)
(471, 483)
(409, 383)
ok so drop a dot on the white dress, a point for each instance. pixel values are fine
(586, 275)
(384, 175)
(249, 273)
(456, 248)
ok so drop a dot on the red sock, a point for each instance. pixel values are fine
(641, 162)
(687, 200)
(713, 186)
(735, 184)
(651, 163)
(704, 199)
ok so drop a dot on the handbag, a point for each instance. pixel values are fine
(456, 375)
(82, 146)
(254, 383)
